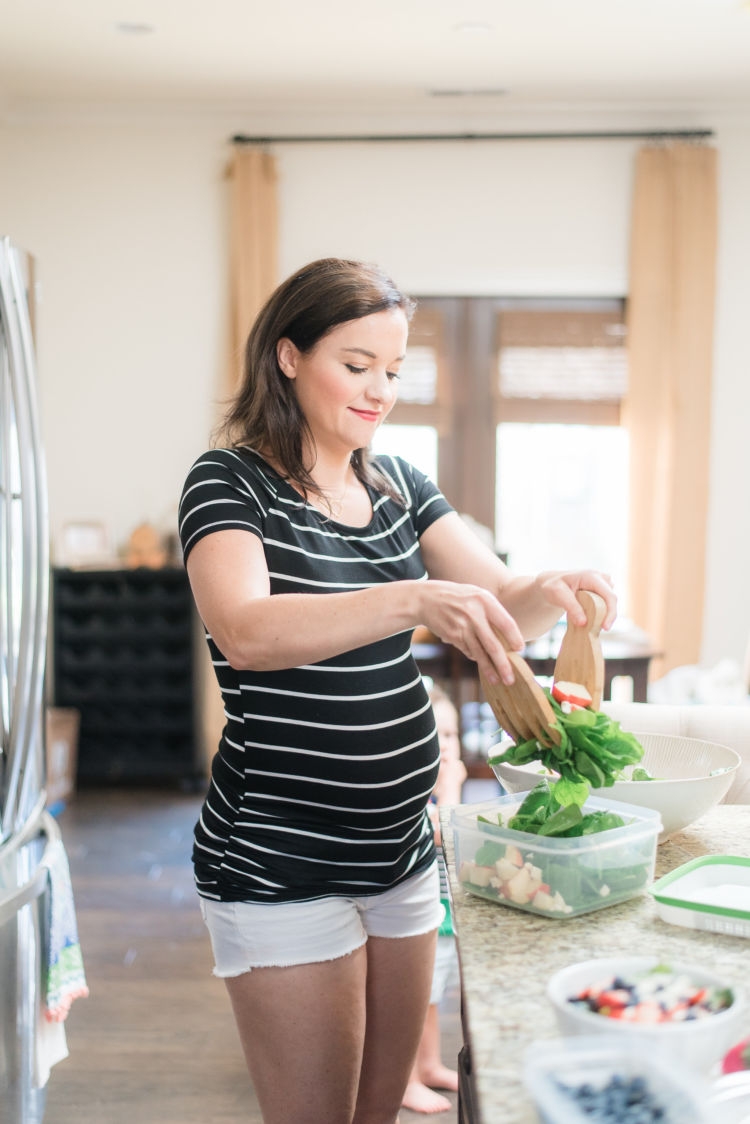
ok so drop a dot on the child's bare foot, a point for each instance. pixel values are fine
(419, 1098)
(440, 1077)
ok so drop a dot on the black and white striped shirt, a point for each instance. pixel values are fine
(323, 771)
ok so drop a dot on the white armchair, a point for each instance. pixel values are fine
(727, 725)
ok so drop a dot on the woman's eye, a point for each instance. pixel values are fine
(393, 374)
(355, 370)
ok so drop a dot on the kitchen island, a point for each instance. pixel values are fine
(507, 957)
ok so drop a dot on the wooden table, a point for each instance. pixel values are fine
(624, 658)
(621, 658)
(507, 957)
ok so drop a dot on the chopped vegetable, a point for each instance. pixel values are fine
(503, 870)
(541, 813)
(550, 883)
(593, 748)
(573, 693)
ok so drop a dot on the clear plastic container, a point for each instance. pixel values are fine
(553, 1069)
(556, 878)
(710, 893)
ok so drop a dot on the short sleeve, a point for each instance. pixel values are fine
(426, 501)
(221, 493)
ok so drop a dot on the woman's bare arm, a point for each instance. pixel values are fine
(453, 552)
(230, 583)
(471, 597)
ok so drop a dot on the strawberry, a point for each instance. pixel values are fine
(737, 1058)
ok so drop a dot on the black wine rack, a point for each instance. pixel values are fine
(124, 656)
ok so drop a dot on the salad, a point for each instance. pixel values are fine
(592, 752)
(546, 879)
(593, 748)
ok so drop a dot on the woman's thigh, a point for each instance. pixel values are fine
(302, 1030)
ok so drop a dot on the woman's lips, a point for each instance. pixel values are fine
(366, 415)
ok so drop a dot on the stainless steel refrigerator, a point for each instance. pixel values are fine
(27, 832)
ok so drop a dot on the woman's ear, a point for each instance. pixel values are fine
(286, 356)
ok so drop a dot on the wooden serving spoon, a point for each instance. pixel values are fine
(522, 709)
(580, 658)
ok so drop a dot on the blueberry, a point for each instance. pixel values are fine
(623, 1100)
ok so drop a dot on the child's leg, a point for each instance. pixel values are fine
(429, 1066)
(419, 1097)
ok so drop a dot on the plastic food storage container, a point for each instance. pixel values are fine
(555, 1070)
(711, 893)
(549, 877)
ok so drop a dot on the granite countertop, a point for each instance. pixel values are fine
(507, 956)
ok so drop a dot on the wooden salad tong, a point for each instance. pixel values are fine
(522, 709)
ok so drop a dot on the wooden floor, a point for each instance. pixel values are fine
(155, 1042)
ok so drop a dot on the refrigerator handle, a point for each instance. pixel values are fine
(40, 823)
(19, 715)
(27, 700)
(40, 548)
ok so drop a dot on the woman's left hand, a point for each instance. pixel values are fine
(560, 588)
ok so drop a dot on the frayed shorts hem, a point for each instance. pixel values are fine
(294, 963)
(247, 935)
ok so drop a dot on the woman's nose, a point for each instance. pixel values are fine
(380, 388)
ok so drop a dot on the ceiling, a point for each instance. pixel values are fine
(445, 56)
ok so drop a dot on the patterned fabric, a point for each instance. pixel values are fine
(66, 979)
(323, 771)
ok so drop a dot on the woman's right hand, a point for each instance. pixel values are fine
(472, 620)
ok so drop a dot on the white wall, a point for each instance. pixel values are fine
(128, 222)
(128, 228)
(465, 218)
(726, 622)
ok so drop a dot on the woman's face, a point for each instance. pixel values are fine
(347, 384)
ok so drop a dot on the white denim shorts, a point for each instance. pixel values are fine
(247, 935)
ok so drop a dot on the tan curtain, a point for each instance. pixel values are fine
(254, 244)
(254, 275)
(668, 405)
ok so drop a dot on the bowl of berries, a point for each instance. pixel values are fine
(683, 1013)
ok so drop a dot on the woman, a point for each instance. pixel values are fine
(311, 563)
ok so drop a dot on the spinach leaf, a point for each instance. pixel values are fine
(593, 748)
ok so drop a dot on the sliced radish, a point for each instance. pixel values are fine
(568, 708)
(574, 693)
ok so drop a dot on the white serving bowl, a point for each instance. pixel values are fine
(695, 1045)
(687, 788)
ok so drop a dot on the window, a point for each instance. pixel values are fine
(561, 375)
(513, 406)
(416, 443)
(422, 412)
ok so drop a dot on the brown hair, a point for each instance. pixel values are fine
(438, 695)
(265, 414)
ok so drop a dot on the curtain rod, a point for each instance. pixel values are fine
(635, 134)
